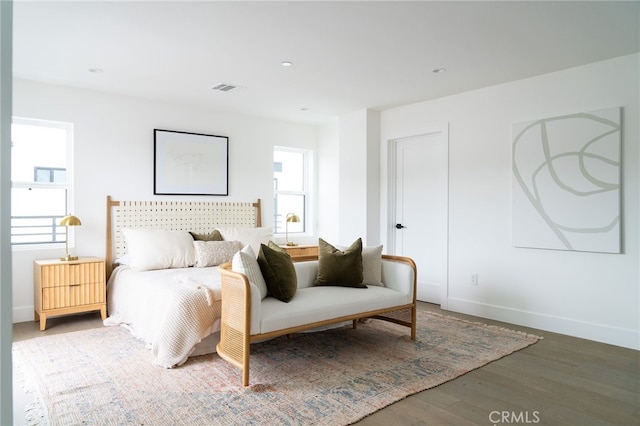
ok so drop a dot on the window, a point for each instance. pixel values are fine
(50, 174)
(291, 176)
(41, 187)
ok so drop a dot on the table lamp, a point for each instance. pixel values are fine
(68, 221)
(291, 217)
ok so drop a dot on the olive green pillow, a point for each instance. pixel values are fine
(340, 268)
(278, 272)
(212, 236)
(276, 247)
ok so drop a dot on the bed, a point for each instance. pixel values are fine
(163, 282)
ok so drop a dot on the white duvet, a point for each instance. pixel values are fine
(171, 310)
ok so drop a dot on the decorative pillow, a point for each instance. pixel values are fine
(124, 260)
(245, 262)
(159, 249)
(340, 268)
(276, 247)
(211, 236)
(278, 272)
(248, 236)
(371, 265)
(212, 253)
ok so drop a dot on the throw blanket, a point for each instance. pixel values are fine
(171, 310)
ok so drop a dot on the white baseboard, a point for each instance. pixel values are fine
(22, 314)
(626, 338)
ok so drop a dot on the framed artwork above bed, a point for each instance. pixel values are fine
(190, 163)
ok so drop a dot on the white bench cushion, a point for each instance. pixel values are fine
(313, 304)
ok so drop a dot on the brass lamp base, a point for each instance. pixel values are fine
(68, 258)
(291, 244)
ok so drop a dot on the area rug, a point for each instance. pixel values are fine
(104, 376)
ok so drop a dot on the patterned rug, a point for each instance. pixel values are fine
(104, 376)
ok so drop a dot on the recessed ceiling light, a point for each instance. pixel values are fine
(286, 63)
(95, 70)
(439, 70)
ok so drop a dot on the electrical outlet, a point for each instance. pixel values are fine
(474, 279)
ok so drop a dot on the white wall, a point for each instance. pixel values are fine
(329, 181)
(352, 194)
(359, 185)
(590, 295)
(114, 156)
(373, 178)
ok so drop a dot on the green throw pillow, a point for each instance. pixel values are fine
(278, 272)
(212, 236)
(340, 268)
(276, 247)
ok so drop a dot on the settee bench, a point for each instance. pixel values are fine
(246, 318)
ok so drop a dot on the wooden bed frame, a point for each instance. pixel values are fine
(196, 216)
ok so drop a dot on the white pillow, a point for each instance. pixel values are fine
(212, 253)
(245, 262)
(124, 260)
(248, 236)
(159, 249)
(372, 265)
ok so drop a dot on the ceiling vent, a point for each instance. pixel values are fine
(226, 87)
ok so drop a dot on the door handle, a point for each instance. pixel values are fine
(400, 226)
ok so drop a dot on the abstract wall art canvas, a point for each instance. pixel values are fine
(190, 163)
(566, 182)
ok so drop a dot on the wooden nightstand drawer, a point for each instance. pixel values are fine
(68, 287)
(298, 251)
(64, 274)
(72, 295)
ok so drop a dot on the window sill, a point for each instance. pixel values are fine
(38, 247)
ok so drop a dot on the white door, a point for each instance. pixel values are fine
(421, 210)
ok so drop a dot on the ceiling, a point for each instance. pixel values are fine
(346, 55)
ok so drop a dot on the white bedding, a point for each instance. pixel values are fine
(171, 310)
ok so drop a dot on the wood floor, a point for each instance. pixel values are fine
(560, 380)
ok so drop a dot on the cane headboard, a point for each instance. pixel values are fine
(196, 216)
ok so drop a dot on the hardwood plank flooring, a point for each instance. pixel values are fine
(561, 380)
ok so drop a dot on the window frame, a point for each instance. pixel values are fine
(306, 192)
(68, 186)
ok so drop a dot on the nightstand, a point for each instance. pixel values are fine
(68, 287)
(300, 251)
